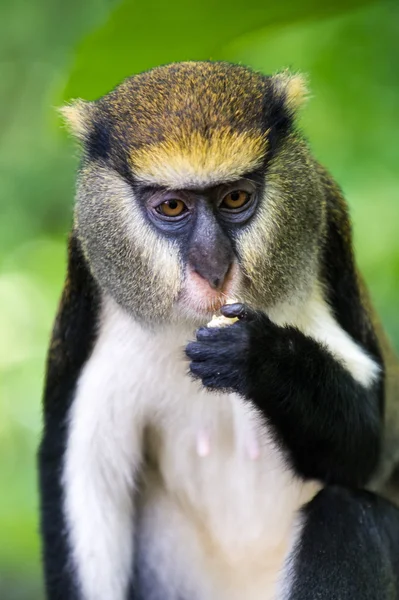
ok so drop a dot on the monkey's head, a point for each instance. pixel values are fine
(195, 187)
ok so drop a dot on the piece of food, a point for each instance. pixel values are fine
(222, 321)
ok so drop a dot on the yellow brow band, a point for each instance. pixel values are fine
(197, 160)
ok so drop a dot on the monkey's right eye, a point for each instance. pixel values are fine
(171, 208)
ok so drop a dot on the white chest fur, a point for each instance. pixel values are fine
(214, 516)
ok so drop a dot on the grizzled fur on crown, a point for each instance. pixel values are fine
(207, 121)
(181, 98)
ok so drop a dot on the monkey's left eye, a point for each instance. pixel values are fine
(235, 199)
(171, 208)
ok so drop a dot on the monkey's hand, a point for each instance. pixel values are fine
(225, 358)
(328, 422)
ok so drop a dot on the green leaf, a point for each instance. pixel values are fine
(141, 35)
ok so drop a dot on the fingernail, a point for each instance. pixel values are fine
(232, 310)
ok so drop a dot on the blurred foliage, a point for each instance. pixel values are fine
(53, 50)
(175, 33)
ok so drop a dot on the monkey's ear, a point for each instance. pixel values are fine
(293, 87)
(78, 117)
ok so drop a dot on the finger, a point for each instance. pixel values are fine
(208, 333)
(239, 311)
(195, 351)
(196, 369)
(205, 369)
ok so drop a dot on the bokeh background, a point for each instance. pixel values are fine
(53, 50)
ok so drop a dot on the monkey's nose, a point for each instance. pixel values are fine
(211, 257)
(215, 277)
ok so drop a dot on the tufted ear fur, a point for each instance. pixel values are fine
(78, 117)
(293, 87)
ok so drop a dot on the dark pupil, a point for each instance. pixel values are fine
(235, 196)
(173, 204)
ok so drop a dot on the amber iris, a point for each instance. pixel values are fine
(172, 208)
(235, 199)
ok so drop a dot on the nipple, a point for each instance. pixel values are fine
(203, 443)
(253, 446)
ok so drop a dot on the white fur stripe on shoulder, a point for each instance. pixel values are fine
(316, 320)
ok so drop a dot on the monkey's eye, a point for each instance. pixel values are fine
(235, 199)
(171, 208)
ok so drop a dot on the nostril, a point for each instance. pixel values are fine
(216, 284)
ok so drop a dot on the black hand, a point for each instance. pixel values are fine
(222, 357)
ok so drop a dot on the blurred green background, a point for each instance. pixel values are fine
(52, 50)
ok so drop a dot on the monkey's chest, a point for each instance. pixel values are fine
(219, 496)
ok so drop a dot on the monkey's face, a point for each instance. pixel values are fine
(163, 253)
(194, 190)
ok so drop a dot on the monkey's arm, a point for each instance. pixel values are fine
(71, 344)
(328, 423)
(86, 453)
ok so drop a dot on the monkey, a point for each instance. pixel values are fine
(185, 462)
